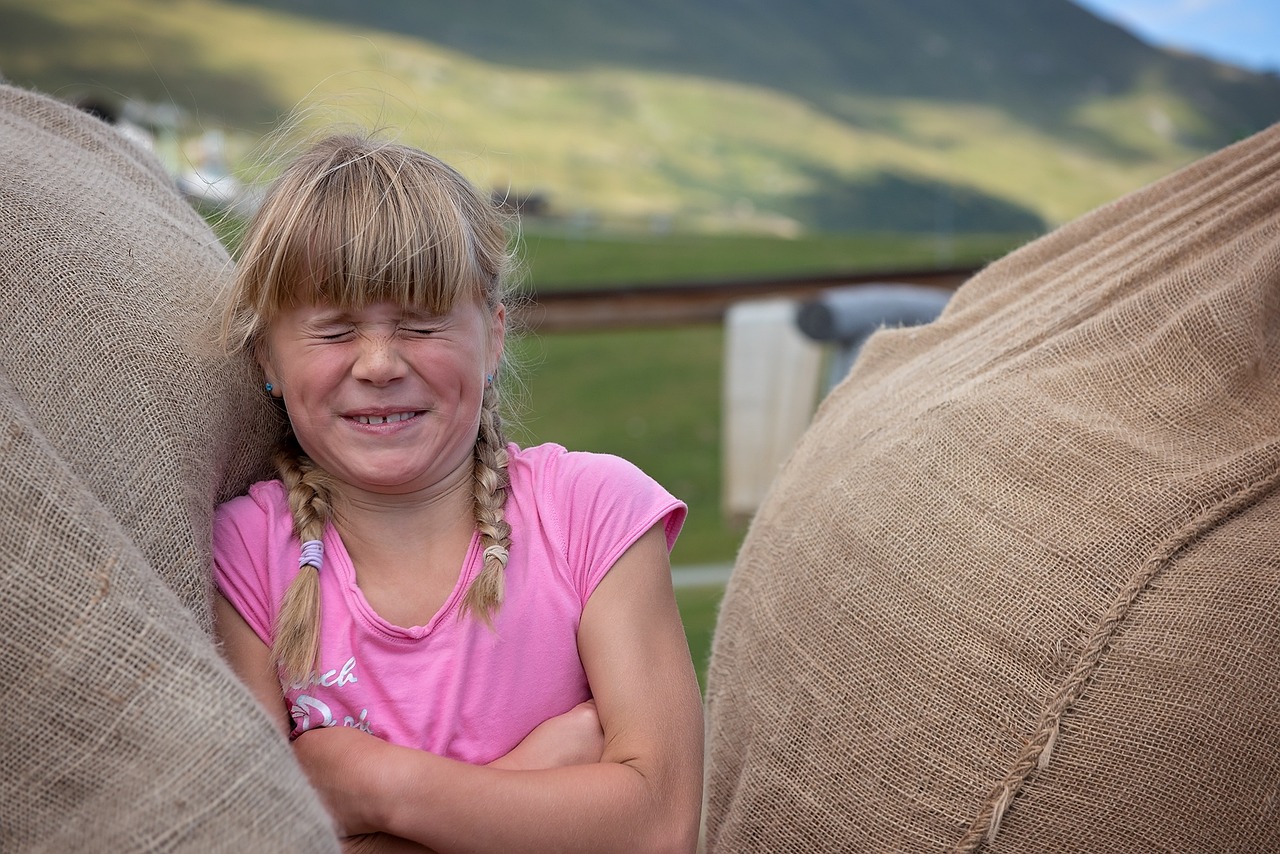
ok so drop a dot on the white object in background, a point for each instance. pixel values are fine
(771, 384)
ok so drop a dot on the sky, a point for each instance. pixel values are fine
(1240, 32)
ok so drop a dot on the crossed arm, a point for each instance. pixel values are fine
(643, 794)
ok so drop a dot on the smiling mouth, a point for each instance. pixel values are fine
(385, 419)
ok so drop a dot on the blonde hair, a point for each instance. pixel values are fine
(350, 222)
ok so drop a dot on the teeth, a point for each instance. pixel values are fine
(384, 419)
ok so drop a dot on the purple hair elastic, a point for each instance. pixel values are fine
(312, 554)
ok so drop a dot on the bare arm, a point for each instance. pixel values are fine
(644, 794)
(571, 738)
(250, 658)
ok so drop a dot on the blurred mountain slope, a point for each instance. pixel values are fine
(773, 115)
(1038, 58)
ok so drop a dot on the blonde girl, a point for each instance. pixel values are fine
(474, 646)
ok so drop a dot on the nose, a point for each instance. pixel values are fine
(378, 360)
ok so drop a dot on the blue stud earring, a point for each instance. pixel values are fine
(269, 387)
(488, 379)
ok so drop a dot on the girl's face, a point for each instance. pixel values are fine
(384, 399)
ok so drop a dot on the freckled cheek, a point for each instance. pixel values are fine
(315, 374)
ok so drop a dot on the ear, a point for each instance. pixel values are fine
(262, 354)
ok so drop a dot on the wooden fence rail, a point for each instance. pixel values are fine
(680, 304)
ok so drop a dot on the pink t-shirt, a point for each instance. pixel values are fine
(453, 686)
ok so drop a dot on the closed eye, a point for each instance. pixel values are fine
(332, 334)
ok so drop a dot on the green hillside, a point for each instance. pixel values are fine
(763, 116)
(1041, 59)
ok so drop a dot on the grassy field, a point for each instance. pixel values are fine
(557, 259)
(650, 396)
(698, 608)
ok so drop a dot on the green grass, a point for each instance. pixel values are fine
(553, 258)
(699, 607)
(650, 396)
(558, 260)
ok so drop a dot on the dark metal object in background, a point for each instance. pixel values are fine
(846, 316)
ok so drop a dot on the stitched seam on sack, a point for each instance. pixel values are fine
(1035, 754)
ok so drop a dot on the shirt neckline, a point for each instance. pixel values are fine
(344, 571)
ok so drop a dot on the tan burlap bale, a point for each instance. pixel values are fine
(122, 428)
(1021, 576)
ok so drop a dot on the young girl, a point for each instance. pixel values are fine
(474, 646)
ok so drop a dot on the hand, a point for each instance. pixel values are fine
(573, 738)
(342, 765)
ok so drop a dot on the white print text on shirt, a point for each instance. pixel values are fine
(335, 678)
(310, 712)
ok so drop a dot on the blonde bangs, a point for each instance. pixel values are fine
(354, 222)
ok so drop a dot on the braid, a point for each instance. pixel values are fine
(489, 489)
(297, 630)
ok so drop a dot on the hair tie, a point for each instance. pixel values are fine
(312, 554)
(496, 551)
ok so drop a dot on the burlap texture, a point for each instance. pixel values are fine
(122, 428)
(1024, 566)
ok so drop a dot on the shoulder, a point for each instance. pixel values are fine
(251, 549)
(551, 466)
(264, 502)
(591, 492)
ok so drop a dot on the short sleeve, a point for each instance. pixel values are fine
(602, 504)
(241, 535)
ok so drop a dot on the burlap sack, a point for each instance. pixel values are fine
(123, 729)
(1022, 573)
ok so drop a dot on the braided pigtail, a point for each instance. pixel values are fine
(297, 630)
(489, 489)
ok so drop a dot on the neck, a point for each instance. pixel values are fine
(407, 550)
(404, 521)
